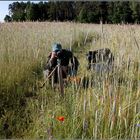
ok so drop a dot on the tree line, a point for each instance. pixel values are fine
(84, 12)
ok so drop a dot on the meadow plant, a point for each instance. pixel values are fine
(108, 107)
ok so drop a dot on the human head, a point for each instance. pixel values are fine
(56, 47)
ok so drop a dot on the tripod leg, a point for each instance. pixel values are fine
(52, 80)
(60, 79)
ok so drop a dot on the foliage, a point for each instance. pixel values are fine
(84, 12)
(7, 18)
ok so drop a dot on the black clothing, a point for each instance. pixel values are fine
(99, 56)
(64, 57)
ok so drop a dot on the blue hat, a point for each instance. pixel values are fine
(56, 47)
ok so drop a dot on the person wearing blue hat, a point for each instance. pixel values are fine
(56, 47)
(65, 57)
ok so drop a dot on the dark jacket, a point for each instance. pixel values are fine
(65, 56)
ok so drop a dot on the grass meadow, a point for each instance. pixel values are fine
(110, 108)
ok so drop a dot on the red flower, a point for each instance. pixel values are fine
(60, 118)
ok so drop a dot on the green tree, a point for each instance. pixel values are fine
(82, 17)
(85, 12)
(117, 12)
(17, 11)
(135, 7)
(126, 16)
(52, 15)
(7, 18)
(28, 11)
(103, 14)
(110, 12)
(41, 11)
(33, 13)
(94, 15)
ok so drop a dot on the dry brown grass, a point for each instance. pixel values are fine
(108, 109)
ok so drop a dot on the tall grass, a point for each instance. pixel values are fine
(107, 109)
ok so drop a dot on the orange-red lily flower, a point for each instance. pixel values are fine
(60, 118)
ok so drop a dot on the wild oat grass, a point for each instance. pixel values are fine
(107, 109)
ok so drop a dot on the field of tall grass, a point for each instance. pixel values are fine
(108, 108)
